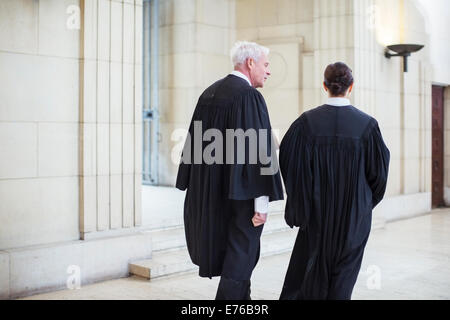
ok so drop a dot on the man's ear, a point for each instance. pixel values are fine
(250, 63)
(325, 87)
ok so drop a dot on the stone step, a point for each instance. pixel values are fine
(170, 255)
(168, 262)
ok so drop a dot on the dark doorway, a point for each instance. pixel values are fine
(437, 174)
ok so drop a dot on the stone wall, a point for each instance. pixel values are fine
(39, 114)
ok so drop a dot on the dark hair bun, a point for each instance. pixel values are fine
(338, 78)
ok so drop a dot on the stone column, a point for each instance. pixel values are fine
(110, 116)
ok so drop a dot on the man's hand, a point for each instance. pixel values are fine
(259, 219)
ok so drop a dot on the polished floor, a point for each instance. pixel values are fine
(408, 259)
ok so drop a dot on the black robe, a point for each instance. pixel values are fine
(230, 103)
(334, 165)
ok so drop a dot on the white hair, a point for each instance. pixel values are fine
(242, 50)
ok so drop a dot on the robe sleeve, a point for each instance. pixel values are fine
(295, 164)
(377, 163)
(253, 179)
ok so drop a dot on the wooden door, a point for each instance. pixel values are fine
(437, 183)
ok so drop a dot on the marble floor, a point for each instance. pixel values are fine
(408, 259)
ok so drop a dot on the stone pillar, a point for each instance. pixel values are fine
(195, 39)
(110, 116)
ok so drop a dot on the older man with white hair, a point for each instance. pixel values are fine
(226, 201)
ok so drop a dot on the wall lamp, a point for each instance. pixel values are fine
(402, 50)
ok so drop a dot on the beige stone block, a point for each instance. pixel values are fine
(167, 168)
(51, 86)
(267, 13)
(50, 210)
(216, 13)
(213, 68)
(306, 31)
(116, 149)
(304, 10)
(412, 176)
(116, 31)
(58, 149)
(103, 202)
(178, 38)
(279, 31)
(446, 142)
(323, 57)
(103, 148)
(36, 269)
(247, 34)
(59, 28)
(138, 34)
(88, 204)
(412, 143)
(116, 92)
(391, 137)
(128, 149)
(128, 200)
(4, 275)
(19, 26)
(128, 33)
(138, 199)
(138, 148)
(104, 92)
(177, 12)
(412, 111)
(128, 93)
(177, 104)
(307, 71)
(428, 175)
(427, 144)
(336, 32)
(88, 135)
(104, 28)
(286, 11)
(246, 14)
(90, 29)
(285, 68)
(393, 185)
(138, 103)
(211, 39)
(412, 78)
(19, 149)
(182, 70)
(388, 109)
(311, 99)
(446, 172)
(89, 91)
(283, 105)
(116, 201)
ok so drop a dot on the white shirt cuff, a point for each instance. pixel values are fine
(262, 204)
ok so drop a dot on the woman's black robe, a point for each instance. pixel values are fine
(334, 165)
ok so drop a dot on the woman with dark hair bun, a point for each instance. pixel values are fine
(335, 166)
(338, 79)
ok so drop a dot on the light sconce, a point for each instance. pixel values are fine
(402, 50)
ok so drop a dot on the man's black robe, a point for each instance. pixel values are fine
(334, 165)
(230, 103)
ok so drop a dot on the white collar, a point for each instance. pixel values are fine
(338, 102)
(241, 75)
